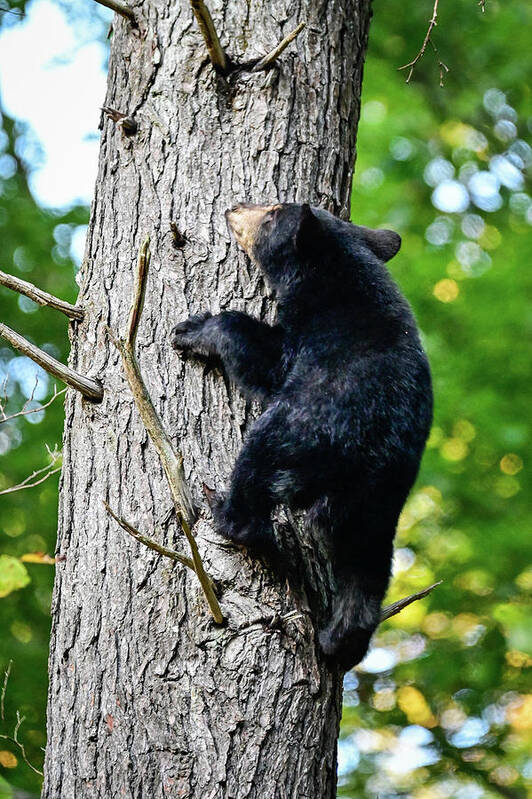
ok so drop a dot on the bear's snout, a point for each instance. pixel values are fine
(244, 220)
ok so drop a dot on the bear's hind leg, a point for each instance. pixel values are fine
(244, 514)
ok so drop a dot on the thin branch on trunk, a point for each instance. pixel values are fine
(401, 604)
(39, 296)
(172, 462)
(120, 8)
(90, 388)
(149, 542)
(426, 41)
(274, 54)
(28, 411)
(216, 52)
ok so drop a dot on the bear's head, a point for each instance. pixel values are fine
(289, 239)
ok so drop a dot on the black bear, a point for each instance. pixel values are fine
(348, 398)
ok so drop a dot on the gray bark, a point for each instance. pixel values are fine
(148, 698)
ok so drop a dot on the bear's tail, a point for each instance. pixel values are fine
(361, 537)
(354, 618)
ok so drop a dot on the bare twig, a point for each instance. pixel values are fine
(4, 390)
(14, 11)
(172, 463)
(216, 52)
(39, 296)
(27, 411)
(442, 67)
(428, 39)
(397, 607)
(4, 689)
(90, 388)
(120, 8)
(42, 475)
(25, 484)
(149, 542)
(17, 742)
(274, 54)
(14, 739)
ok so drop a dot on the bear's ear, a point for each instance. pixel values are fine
(308, 231)
(384, 243)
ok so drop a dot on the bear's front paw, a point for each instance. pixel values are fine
(187, 335)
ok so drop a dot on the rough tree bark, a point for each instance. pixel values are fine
(148, 697)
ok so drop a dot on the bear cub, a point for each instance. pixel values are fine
(348, 402)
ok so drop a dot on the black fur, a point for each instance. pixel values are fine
(349, 405)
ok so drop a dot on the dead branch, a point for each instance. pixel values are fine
(39, 476)
(401, 604)
(120, 8)
(39, 296)
(171, 462)
(274, 54)
(90, 388)
(426, 41)
(149, 542)
(28, 411)
(216, 52)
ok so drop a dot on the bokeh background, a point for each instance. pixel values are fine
(442, 706)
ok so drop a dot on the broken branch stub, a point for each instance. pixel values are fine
(126, 123)
(396, 607)
(215, 50)
(120, 8)
(221, 62)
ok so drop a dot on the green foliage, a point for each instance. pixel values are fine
(6, 791)
(443, 708)
(34, 245)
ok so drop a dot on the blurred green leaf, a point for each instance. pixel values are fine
(13, 575)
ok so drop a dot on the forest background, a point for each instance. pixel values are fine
(442, 706)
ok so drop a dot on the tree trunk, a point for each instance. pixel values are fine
(148, 697)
